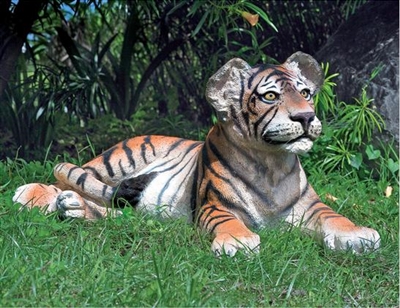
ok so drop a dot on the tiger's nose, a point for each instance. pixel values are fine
(305, 118)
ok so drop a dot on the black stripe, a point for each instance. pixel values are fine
(261, 68)
(106, 161)
(284, 76)
(313, 204)
(210, 188)
(164, 189)
(203, 212)
(241, 93)
(269, 121)
(332, 216)
(283, 80)
(103, 193)
(213, 207)
(292, 203)
(71, 170)
(121, 168)
(323, 208)
(210, 209)
(217, 217)
(236, 119)
(245, 114)
(174, 146)
(251, 104)
(188, 150)
(207, 164)
(257, 190)
(143, 152)
(275, 72)
(252, 98)
(219, 223)
(165, 163)
(246, 119)
(93, 172)
(267, 83)
(128, 153)
(81, 180)
(147, 140)
(260, 119)
(195, 190)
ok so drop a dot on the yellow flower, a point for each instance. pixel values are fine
(252, 19)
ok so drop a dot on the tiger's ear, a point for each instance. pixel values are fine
(225, 86)
(307, 66)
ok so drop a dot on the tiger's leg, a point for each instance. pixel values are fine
(79, 180)
(91, 198)
(334, 230)
(66, 197)
(37, 195)
(72, 205)
(230, 233)
(86, 196)
(50, 199)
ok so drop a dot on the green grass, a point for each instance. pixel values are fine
(136, 260)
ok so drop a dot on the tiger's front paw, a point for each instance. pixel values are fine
(228, 244)
(70, 204)
(358, 240)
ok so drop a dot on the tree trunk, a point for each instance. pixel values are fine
(15, 24)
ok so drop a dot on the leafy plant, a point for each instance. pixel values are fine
(30, 106)
(358, 121)
(349, 7)
(340, 156)
(325, 100)
(384, 161)
(347, 141)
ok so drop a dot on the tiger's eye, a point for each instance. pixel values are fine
(305, 93)
(270, 96)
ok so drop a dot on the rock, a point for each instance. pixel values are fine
(367, 40)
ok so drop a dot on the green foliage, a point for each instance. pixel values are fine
(324, 101)
(347, 142)
(175, 125)
(120, 58)
(303, 25)
(358, 121)
(348, 7)
(86, 80)
(137, 260)
(86, 142)
(29, 108)
(112, 78)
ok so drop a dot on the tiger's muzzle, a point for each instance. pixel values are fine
(296, 135)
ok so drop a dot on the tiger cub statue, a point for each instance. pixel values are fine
(246, 174)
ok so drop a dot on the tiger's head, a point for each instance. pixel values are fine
(269, 106)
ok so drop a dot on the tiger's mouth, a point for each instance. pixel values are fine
(290, 141)
(299, 145)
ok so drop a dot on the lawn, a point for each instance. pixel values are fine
(136, 260)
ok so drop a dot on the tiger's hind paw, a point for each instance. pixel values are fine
(229, 245)
(70, 204)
